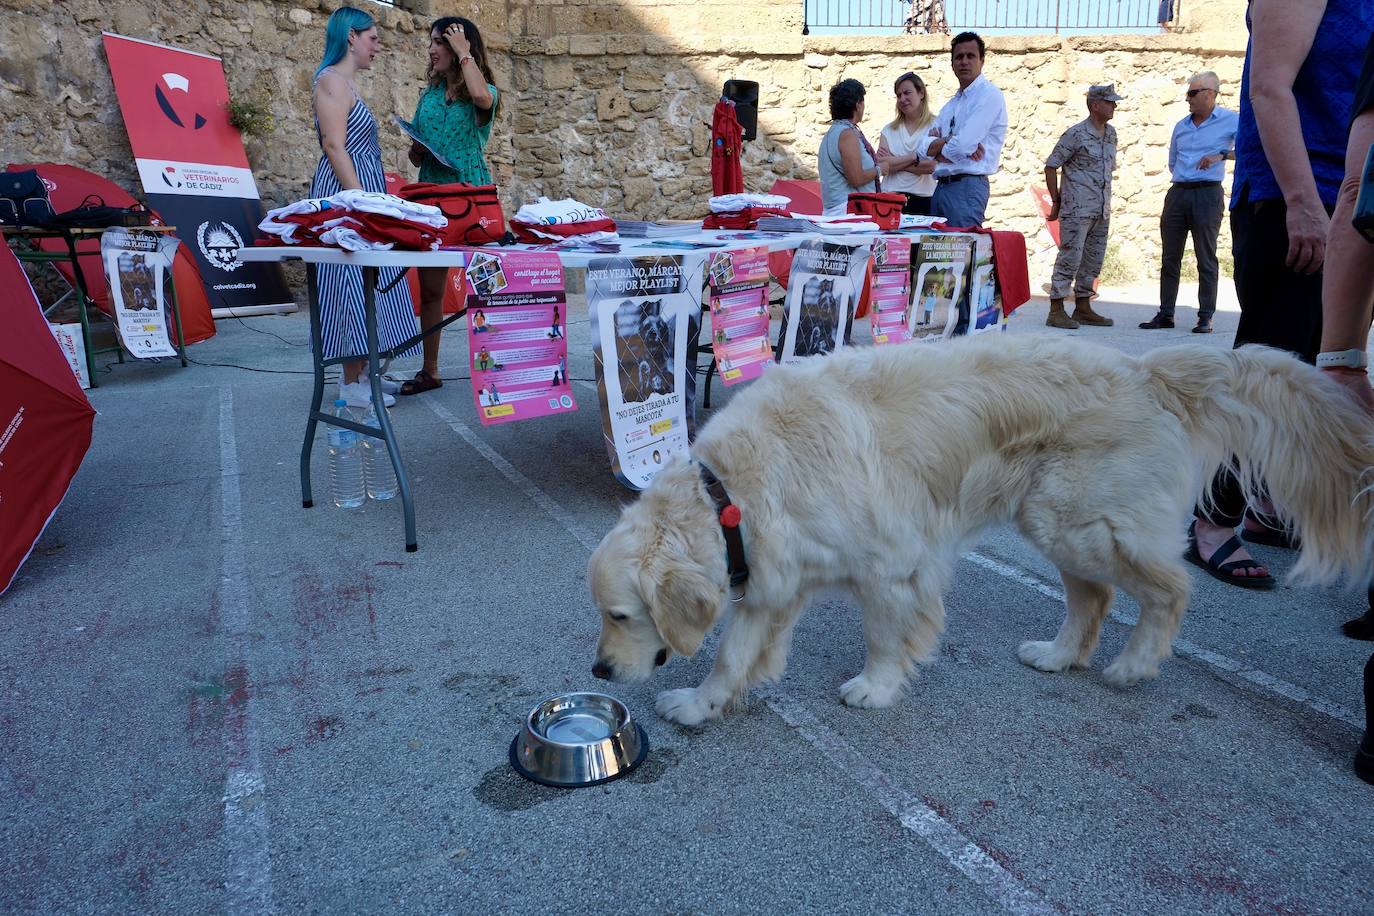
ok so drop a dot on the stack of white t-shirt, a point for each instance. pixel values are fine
(733, 203)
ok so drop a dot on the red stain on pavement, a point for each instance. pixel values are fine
(324, 728)
(322, 609)
(1223, 886)
(938, 807)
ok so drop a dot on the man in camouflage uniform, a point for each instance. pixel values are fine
(1087, 154)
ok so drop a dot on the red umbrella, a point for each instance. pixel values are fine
(45, 420)
(68, 187)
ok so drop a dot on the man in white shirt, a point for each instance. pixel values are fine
(966, 139)
(1198, 150)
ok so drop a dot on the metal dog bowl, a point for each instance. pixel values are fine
(578, 739)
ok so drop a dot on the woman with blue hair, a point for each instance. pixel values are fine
(352, 160)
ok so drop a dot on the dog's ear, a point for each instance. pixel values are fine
(683, 606)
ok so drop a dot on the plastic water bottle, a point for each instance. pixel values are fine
(377, 469)
(345, 462)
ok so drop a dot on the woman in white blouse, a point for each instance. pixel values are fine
(909, 173)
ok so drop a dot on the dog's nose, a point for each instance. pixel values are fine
(601, 670)
(660, 658)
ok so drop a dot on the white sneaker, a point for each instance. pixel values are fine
(359, 394)
(388, 386)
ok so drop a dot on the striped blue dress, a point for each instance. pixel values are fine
(339, 288)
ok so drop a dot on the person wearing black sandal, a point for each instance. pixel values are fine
(1287, 177)
(455, 115)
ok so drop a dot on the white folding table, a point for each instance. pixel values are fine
(370, 262)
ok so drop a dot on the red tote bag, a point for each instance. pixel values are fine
(473, 211)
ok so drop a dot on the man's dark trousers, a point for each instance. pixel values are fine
(1190, 206)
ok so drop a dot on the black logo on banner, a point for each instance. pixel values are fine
(177, 82)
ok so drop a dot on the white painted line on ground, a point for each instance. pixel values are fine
(913, 814)
(584, 536)
(938, 833)
(249, 880)
(1262, 680)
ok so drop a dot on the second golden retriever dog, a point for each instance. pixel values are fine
(874, 469)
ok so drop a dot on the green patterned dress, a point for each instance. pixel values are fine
(452, 128)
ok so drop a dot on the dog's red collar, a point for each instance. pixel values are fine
(729, 516)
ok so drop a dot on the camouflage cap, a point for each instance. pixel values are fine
(1106, 92)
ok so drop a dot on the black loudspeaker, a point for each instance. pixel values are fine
(745, 95)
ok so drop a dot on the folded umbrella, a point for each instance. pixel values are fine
(45, 420)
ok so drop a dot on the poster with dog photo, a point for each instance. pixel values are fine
(939, 285)
(985, 301)
(889, 312)
(517, 310)
(737, 282)
(136, 264)
(645, 319)
(822, 290)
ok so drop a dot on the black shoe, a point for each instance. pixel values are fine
(1204, 326)
(1159, 321)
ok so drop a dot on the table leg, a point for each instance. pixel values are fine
(374, 373)
(83, 300)
(316, 357)
(176, 314)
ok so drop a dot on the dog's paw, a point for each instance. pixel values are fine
(1044, 656)
(867, 694)
(1126, 672)
(687, 706)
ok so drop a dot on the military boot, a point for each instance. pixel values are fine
(1083, 313)
(1058, 318)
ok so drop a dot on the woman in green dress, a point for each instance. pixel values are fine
(454, 116)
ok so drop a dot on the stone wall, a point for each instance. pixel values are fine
(608, 100)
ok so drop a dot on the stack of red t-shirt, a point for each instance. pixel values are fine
(356, 221)
(547, 221)
(747, 218)
(383, 233)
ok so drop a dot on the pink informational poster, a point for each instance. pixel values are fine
(738, 282)
(890, 314)
(517, 313)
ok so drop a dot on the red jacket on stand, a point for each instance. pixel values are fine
(727, 138)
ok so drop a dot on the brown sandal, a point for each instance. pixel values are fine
(422, 382)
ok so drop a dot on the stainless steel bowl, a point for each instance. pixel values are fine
(578, 739)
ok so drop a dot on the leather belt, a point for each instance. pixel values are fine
(1193, 185)
(950, 179)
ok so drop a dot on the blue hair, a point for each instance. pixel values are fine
(345, 20)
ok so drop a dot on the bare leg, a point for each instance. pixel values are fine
(432, 283)
(1088, 603)
(746, 646)
(353, 370)
(902, 625)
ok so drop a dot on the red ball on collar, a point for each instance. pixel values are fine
(730, 516)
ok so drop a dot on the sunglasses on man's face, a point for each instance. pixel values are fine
(1193, 92)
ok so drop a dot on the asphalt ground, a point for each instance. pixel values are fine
(212, 700)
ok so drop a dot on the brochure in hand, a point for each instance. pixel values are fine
(414, 134)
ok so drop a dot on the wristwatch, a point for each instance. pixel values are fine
(1343, 359)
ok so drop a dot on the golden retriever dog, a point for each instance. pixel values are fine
(874, 469)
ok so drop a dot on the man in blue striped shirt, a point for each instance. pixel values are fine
(1198, 150)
